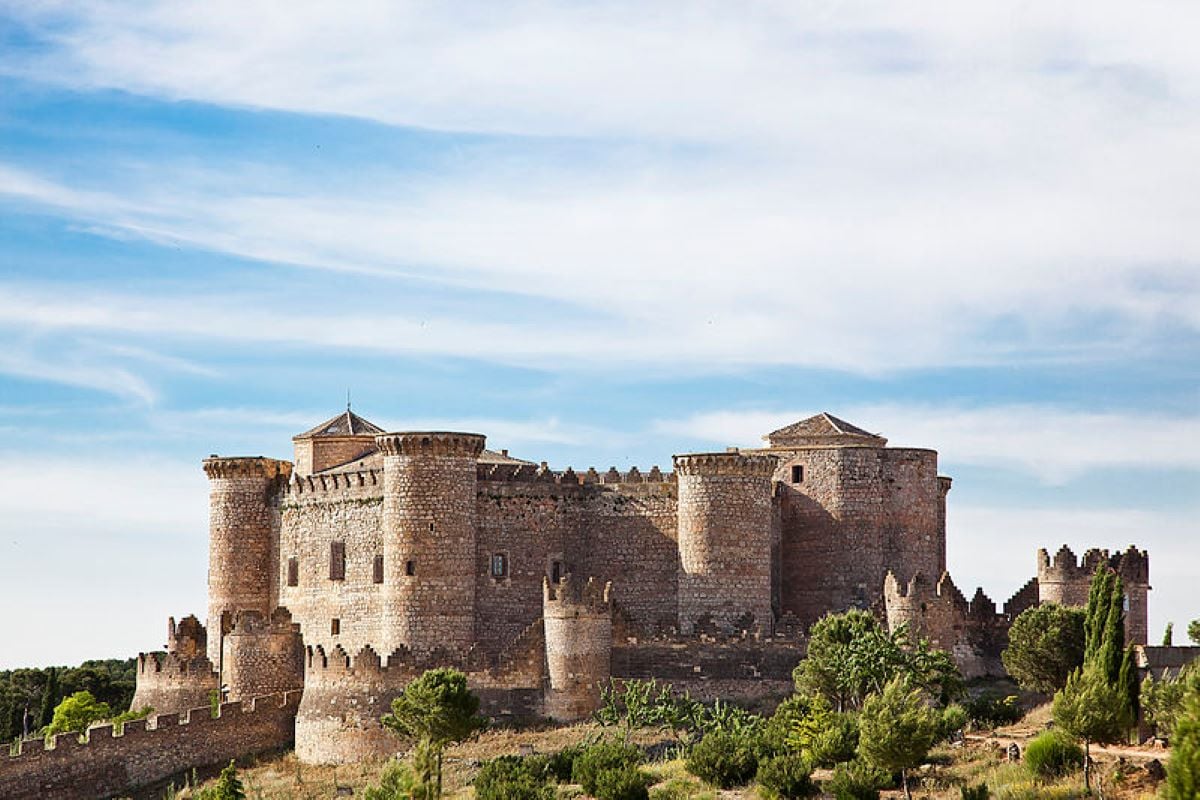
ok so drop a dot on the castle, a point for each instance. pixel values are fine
(374, 555)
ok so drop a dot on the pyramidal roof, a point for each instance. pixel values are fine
(823, 430)
(345, 424)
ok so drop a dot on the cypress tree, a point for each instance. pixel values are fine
(49, 698)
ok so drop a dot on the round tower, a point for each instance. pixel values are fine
(429, 539)
(578, 624)
(1134, 568)
(725, 514)
(243, 525)
(182, 678)
(262, 655)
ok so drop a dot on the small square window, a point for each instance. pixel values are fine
(797, 473)
(335, 626)
(293, 571)
(410, 568)
(499, 565)
(377, 569)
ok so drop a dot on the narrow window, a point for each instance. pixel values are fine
(293, 573)
(335, 626)
(499, 565)
(797, 473)
(377, 570)
(410, 568)
(556, 572)
(431, 527)
(337, 561)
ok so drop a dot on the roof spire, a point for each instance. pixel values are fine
(347, 398)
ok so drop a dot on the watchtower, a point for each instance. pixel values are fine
(578, 623)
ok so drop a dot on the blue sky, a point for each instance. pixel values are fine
(600, 236)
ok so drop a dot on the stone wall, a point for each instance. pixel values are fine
(733, 669)
(148, 752)
(1067, 581)
(169, 683)
(577, 616)
(263, 655)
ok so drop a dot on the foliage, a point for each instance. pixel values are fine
(836, 744)
(1052, 754)
(724, 759)
(1162, 699)
(109, 681)
(631, 704)
(1183, 770)
(1194, 631)
(437, 709)
(600, 757)
(780, 725)
(49, 698)
(897, 728)
(227, 787)
(680, 789)
(979, 792)
(1092, 709)
(627, 783)
(560, 765)
(1104, 648)
(786, 777)
(991, 710)
(396, 782)
(76, 713)
(851, 656)
(1168, 639)
(511, 778)
(858, 780)
(953, 719)
(1045, 645)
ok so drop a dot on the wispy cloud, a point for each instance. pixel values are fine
(1052, 443)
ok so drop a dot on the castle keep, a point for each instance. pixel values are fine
(338, 577)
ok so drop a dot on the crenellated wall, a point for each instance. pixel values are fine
(1066, 581)
(147, 752)
(179, 679)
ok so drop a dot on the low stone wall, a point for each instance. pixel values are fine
(148, 752)
(695, 661)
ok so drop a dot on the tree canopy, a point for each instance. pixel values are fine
(896, 728)
(1045, 645)
(77, 712)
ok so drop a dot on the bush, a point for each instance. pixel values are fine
(561, 765)
(782, 724)
(991, 710)
(979, 792)
(622, 783)
(680, 789)
(837, 743)
(512, 778)
(1052, 754)
(724, 760)
(396, 782)
(600, 757)
(786, 777)
(858, 780)
(954, 718)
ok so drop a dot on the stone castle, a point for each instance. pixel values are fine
(373, 556)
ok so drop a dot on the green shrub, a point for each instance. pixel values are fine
(680, 789)
(1052, 754)
(600, 757)
(513, 778)
(979, 792)
(724, 759)
(954, 718)
(992, 710)
(837, 743)
(786, 777)
(227, 787)
(560, 765)
(857, 780)
(622, 783)
(396, 782)
(782, 724)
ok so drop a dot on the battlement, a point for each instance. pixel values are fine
(172, 665)
(572, 595)
(188, 638)
(401, 663)
(528, 473)
(1132, 565)
(728, 463)
(114, 762)
(431, 443)
(359, 483)
(246, 467)
(919, 590)
(1025, 597)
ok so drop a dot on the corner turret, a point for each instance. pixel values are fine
(578, 624)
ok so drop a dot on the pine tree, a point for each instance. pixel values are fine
(1169, 635)
(896, 729)
(1091, 708)
(1183, 770)
(50, 698)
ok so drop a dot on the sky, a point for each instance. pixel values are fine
(600, 233)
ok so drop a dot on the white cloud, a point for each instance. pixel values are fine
(1052, 443)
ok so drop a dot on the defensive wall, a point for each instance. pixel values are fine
(147, 752)
(1066, 580)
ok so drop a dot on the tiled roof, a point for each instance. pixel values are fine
(345, 424)
(823, 427)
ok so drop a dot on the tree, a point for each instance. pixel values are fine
(1163, 699)
(227, 787)
(1194, 631)
(1183, 770)
(1091, 708)
(851, 656)
(1104, 648)
(896, 729)
(49, 698)
(1169, 635)
(436, 710)
(1045, 645)
(76, 713)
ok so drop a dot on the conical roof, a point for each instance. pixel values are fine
(346, 423)
(823, 430)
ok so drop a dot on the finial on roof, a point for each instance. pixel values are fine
(347, 398)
